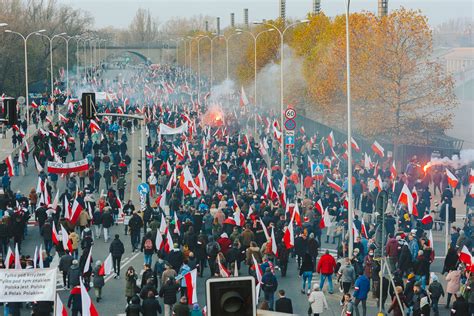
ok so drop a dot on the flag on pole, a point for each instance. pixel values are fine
(106, 267)
(452, 180)
(191, 286)
(60, 308)
(88, 309)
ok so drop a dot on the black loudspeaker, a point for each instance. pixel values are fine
(10, 112)
(452, 214)
(234, 296)
(88, 105)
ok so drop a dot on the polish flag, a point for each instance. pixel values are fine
(302, 131)
(276, 131)
(94, 126)
(283, 192)
(416, 199)
(319, 206)
(258, 269)
(297, 216)
(354, 145)
(274, 244)
(243, 97)
(9, 259)
(331, 140)
(178, 152)
(55, 234)
(191, 285)
(427, 219)
(163, 227)
(159, 241)
(75, 211)
(235, 205)
(87, 264)
(367, 162)
(452, 180)
(168, 168)
(88, 309)
(177, 225)
(471, 176)
(161, 200)
(378, 183)
(107, 267)
(378, 149)
(9, 163)
(223, 271)
(406, 198)
(289, 236)
(169, 245)
(327, 162)
(67, 243)
(355, 231)
(393, 171)
(63, 118)
(34, 105)
(465, 256)
(264, 228)
(27, 147)
(334, 185)
(17, 257)
(60, 308)
(430, 240)
(363, 229)
(39, 168)
(239, 218)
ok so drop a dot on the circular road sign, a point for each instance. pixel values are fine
(290, 113)
(290, 125)
(21, 100)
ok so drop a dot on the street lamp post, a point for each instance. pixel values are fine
(282, 34)
(25, 40)
(255, 38)
(50, 39)
(349, 136)
(67, 39)
(212, 58)
(199, 63)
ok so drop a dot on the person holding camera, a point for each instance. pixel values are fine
(130, 283)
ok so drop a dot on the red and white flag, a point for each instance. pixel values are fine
(67, 167)
(289, 236)
(34, 105)
(274, 244)
(75, 211)
(88, 308)
(107, 266)
(406, 198)
(169, 245)
(163, 227)
(223, 271)
(354, 145)
(393, 171)
(378, 149)
(325, 220)
(319, 206)
(161, 200)
(452, 180)
(363, 229)
(465, 256)
(264, 228)
(9, 163)
(94, 126)
(63, 118)
(471, 176)
(55, 235)
(191, 286)
(334, 185)
(87, 264)
(17, 257)
(67, 243)
(331, 140)
(9, 258)
(158, 241)
(276, 131)
(177, 225)
(243, 97)
(60, 308)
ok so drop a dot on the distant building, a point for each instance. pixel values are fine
(459, 59)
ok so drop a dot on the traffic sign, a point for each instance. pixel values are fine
(143, 188)
(290, 124)
(290, 133)
(318, 169)
(289, 141)
(290, 113)
(21, 100)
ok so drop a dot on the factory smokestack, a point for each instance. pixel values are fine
(232, 20)
(383, 8)
(283, 9)
(246, 17)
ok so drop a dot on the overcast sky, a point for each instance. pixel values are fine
(119, 13)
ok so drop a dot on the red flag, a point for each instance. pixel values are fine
(60, 308)
(331, 140)
(363, 229)
(75, 212)
(94, 126)
(354, 145)
(107, 267)
(67, 243)
(334, 185)
(289, 236)
(393, 171)
(34, 105)
(427, 219)
(465, 256)
(319, 206)
(224, 272)
(9, 163)
(406, 198)
(243, 97)
(55, 234)
(274, 244)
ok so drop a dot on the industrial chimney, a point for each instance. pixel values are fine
(316, 6)
(207, 26)
(218, 26)
(246, 17)
(232, 20)
(283, 9)
(383, 8)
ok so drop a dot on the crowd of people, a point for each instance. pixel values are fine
(220, 203)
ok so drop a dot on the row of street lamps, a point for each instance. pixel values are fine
(66, 38)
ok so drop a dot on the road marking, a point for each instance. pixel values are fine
(122, 266)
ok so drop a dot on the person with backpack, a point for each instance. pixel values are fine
(269, 286)
(147, 247)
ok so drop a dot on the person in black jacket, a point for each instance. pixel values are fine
(134, 308)
(150, 305)
(283, 304)
(74, 302)
(301, 244)
(116, 249)
(135, 224)
(306, 272)
(107, 222)
(168, 292)
(64, 265)
(460, 306)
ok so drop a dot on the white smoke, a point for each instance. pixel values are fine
(222, 91)
(465, 158)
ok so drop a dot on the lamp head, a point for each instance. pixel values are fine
(304, 21)
(41, 31)
(257, 22)
(3, 24)
(8, 31)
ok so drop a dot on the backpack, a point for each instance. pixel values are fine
(213, 249)
(148, 245)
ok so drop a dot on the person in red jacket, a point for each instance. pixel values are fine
(326, 267)
(391, 249)
(225, 243)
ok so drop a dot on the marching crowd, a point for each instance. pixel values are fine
(220, 205)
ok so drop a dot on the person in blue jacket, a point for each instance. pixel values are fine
(361, 286)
